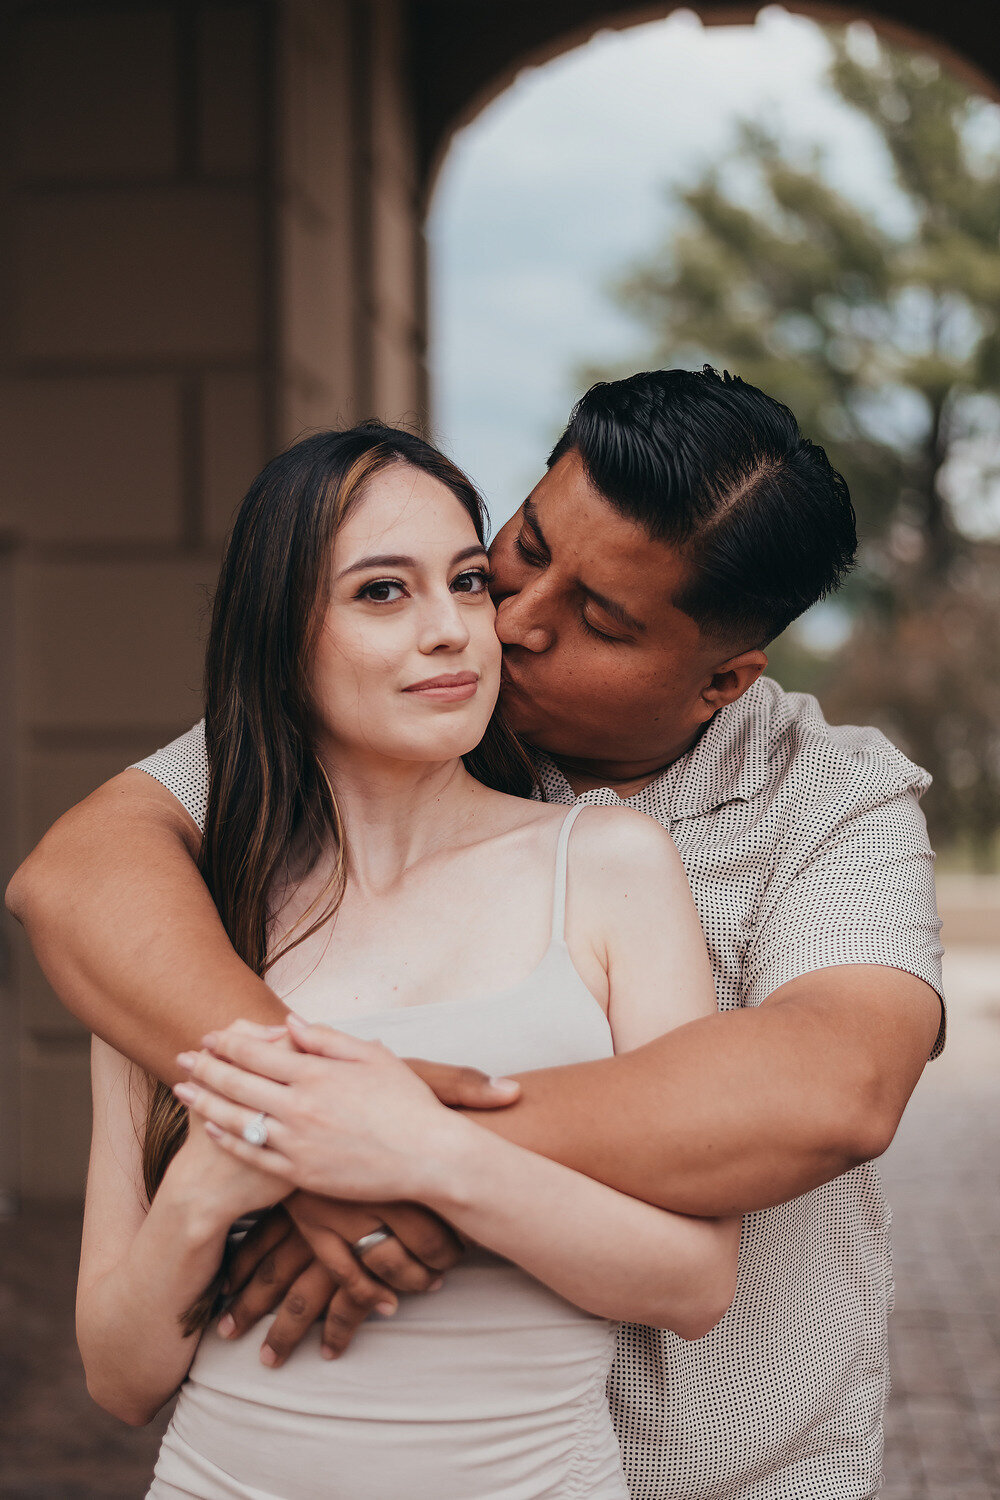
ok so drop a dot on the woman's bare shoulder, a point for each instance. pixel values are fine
(622, 837)
(503, 813)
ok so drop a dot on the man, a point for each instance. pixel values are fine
(682, 523)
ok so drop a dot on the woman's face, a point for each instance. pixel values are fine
(407, 663)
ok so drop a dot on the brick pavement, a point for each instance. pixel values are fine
(943, 1426)
(943, 1178)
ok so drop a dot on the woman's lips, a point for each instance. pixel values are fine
(449, 688)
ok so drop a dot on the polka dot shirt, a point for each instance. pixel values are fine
(805, 848)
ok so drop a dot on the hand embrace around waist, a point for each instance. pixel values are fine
(340, 1116)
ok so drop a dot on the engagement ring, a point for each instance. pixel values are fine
(255, 1130)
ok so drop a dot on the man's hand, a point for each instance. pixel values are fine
(298, 1260)
(464, 1088)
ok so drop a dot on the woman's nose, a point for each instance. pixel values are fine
(443, 625)
(518, 623)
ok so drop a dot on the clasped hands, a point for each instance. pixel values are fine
(351, 1126)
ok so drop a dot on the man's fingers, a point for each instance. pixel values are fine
(303, 1304)
(392, 1263)
(260, 1239)
(465, 1088)
(421, 1246)
(354, 1301)
(429, 1239)
(271, 1279)
(346, 1269)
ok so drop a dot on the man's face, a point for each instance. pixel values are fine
(599, 666)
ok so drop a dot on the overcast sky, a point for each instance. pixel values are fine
(563, 181)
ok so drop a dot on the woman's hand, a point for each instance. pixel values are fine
(346, 1118)
(232, 1188)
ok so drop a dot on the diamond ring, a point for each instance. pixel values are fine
(255, 1130)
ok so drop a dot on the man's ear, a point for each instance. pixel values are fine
(731, 678)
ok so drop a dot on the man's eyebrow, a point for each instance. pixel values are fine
(618, 612)
(531, 516)
(397, 560)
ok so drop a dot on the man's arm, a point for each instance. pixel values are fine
(722, 1116)
(125, 930)
(743, 1109)
(840, 986)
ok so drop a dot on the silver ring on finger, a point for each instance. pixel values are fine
(255, 1131)
(369, 1241)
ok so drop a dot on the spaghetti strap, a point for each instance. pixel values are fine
(559, 891)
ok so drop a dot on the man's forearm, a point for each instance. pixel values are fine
(126, 932)
(687, 1122)
(732, 1113)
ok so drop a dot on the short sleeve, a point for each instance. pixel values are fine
(865, 895)
(182, 767)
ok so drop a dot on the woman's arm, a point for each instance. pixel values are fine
(609, 1254)
(353, 1120)
(629, 900)
(361, 1132)
(141, 1270)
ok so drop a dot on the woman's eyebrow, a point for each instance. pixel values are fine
(397, 560)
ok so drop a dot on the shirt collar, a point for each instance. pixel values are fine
(728, 763)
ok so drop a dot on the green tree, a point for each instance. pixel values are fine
(882, 333)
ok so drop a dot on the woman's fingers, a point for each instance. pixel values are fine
(255, 1029)
(324, 1041)
(233, 1083)
(264, 1158)
(217, 1110)
(261, 1057)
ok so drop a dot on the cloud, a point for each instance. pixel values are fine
(558, 185)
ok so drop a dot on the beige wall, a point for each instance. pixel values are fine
(208, 241)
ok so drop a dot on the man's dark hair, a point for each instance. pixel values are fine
(714, 467)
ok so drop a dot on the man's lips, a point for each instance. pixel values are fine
(450, 687)
(508, 680)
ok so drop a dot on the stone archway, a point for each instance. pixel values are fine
(460, 60)
(211, 237)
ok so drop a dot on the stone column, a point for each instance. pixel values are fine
(208, 242)
(351, 332)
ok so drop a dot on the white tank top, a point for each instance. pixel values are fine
(493, 1388)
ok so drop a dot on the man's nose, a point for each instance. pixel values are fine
(519, 622)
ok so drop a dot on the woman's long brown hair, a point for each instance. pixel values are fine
(268, 792)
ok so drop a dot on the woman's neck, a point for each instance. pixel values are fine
(397, 812)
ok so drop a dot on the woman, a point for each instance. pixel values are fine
(365, 849)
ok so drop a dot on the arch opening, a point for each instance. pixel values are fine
(566, 263)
